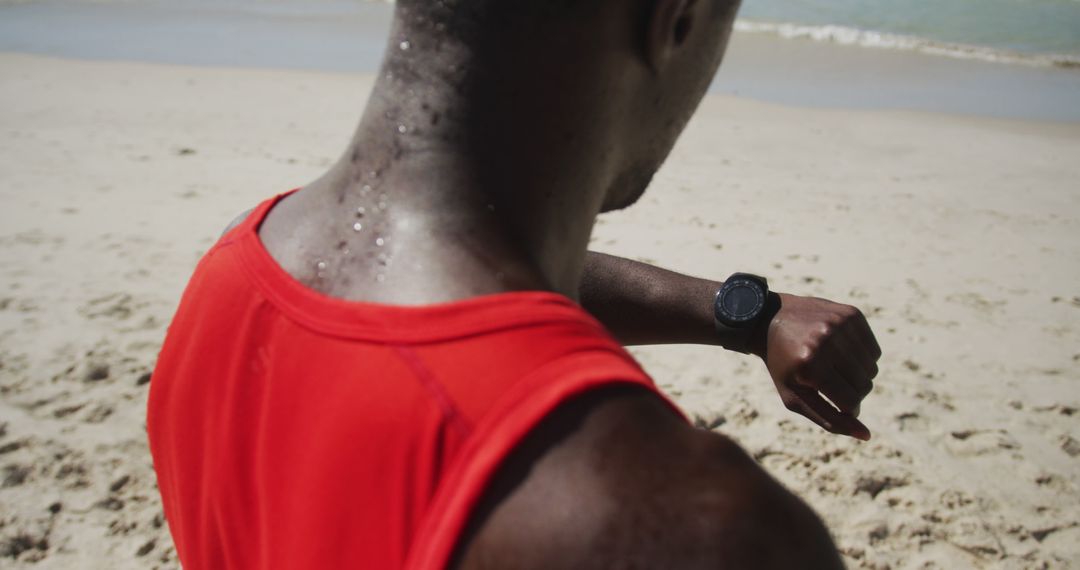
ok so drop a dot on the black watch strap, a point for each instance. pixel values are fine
(743, 309)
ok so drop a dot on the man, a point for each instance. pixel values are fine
(384, 369)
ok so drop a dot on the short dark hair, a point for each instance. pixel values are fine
(467, 20)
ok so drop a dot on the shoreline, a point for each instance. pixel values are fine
(334, 37)
(809, 73)
(873, 39)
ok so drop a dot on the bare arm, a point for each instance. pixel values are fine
(643, 304)
(615, 480)
(822, 356)
(237, 221)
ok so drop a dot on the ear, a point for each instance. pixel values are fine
(669, 24)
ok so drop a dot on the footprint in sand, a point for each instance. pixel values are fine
(876, 484)
(96, 372)
(1069, 445)
(1052, 481)
(1075, 301)
(19, 305)
(710, 422)
(912, 421)
(1057, 409)
(745, 414)
(976, 302)
(65, 411)
(12, 446)
(146, 548)
(973, 535)
(976, 443)
(14, 475)
(115, 306)
(931, 397)
(24, 546)
(98, 414)
(32, 237)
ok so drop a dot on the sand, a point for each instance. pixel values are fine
(959, 237)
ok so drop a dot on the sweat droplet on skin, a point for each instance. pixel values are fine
(360, 212)
(402, 129)
(405, 45)
(321, 266)
(380, 242)
(357, 226)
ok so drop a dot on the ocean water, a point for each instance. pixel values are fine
(1037, 32)
(1022, 61)
(1012, 31)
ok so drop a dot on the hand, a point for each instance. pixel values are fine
(816, 349)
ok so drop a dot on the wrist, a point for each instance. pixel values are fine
(743, 311)
(758, 343)
(753, 339)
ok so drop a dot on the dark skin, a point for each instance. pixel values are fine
(614, 481)
(469, 175)
(813, 348)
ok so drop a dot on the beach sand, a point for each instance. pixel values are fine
(959, 237)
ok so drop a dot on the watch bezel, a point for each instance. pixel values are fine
(759, 286)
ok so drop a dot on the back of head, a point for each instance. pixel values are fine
(428, 34)
(616, 80)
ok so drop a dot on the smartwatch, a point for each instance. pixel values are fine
(742, 305)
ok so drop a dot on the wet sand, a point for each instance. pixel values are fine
(958, 236)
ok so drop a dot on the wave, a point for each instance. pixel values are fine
(835, 34)
(843, 35)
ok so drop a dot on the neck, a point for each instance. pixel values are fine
(474, 198)
(466, 176)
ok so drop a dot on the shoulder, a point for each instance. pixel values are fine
(615, 477)
(237, 221)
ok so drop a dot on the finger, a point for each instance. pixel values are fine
(823, 414)
(825, 419)
(857, 393)
(866, 336)
(853, 363)
(823, 376)
(864, 349)
(795, 404)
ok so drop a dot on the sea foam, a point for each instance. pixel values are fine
(843, 35)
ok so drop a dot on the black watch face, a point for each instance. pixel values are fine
(741, 301)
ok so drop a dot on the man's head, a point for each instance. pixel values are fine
(600, 87)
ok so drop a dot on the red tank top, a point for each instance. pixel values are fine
(294, 430)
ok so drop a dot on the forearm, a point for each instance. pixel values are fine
(822, 356)
(642, 304)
